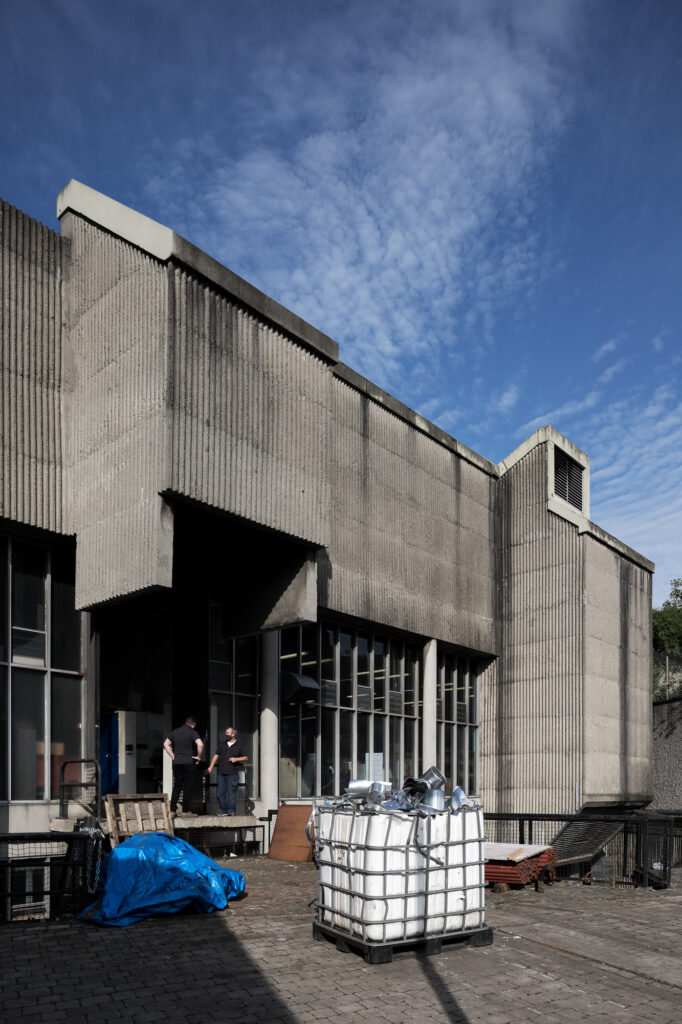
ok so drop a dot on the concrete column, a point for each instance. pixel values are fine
(269, 721)
(429, 691)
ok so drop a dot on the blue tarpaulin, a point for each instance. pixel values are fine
(154, 873)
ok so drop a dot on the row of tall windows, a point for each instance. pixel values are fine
(457, 720)
(361, 718)
(41, 696)
(234, 690)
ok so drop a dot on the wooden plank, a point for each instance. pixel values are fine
(289, 840)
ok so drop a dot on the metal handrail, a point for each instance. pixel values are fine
(65, 786)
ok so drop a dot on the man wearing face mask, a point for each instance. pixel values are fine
(228, 756)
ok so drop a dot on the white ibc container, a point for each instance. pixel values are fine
(393, 876)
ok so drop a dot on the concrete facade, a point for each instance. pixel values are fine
(196, 438)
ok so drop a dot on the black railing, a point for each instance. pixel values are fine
(636, 848)
(66, 788)
(46, 874)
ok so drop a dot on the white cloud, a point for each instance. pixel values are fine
(610, 371)
(605, 349)
(565, 411)
(508, 398)
(394, 208)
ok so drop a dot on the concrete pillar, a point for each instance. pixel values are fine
(429, 692)
(269, 721)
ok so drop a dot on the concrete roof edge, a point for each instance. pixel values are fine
(360, 383)
(538, 437)
(592, 530)
(163, 244)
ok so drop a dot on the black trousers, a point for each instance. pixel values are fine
(183, 779)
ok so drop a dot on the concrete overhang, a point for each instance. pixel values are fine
(166, 246)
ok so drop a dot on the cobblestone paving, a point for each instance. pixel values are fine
(573, 953)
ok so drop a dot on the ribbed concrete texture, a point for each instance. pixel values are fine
(249, 415)
(667, 751)
(116, 437)
(533, 722)
(411, 527)
(31, 264)
(617, 703)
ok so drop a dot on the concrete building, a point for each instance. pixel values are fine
(204, 510)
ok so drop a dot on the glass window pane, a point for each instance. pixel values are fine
(29, 566)
(3, 733)
(28, 735)
(66, 632)
(473, 709)
(345, 670)
(3, 599)
(379, 648)
(65, 729)
(412, 661)
(246, 724)
(28, 645)
(246, 665)
(288, 758)
(409, 763)
(462, 690)
(309, 748)
(461, 779)
(328, 752)
(394, 751)
(345, 749)
(363, 770)
(378, 763)
(364, 690)
(449, 687)
(289, 649)
(309, 665)
(447, 763)
(395, 681)
(472, 781)
(328, 665)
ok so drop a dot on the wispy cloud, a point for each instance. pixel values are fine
(610, 372)
(563, 412)
(394, 208)
(606, 349)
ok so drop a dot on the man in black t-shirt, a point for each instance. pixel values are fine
(180, 747)
(229, 756)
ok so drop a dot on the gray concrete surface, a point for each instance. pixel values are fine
(571, 953)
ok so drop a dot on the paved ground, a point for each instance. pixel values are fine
(570, 954)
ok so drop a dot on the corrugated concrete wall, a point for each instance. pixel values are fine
(411, 527)
(31, 266)
(617, 703)
(667, 753)
(250, 411)
(116, 438)
(532, 741)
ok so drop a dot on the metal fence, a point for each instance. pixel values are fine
(627, 849)
(46, 874)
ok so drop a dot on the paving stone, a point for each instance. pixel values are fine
(573, 953)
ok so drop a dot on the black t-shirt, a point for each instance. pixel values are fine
(225, 752)
(184, 744)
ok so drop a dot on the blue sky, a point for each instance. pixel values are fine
(480, 201)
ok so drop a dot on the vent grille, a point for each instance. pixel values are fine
(568, 478)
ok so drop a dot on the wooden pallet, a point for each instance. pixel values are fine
(131, 813)
(382, 952)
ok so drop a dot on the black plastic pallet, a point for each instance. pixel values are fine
(382, 952)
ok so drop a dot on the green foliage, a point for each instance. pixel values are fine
(667, 643)
(675, 599)
(667, 622)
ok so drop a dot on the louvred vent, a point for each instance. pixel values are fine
(568, 478)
